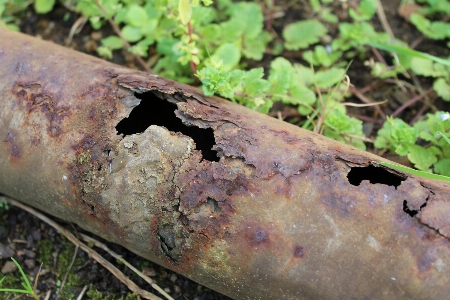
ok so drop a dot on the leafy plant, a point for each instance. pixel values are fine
(27, 288)
(402, 139)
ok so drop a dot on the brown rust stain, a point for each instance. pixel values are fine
(14, 150)
(34, 97)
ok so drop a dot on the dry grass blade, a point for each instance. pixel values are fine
(118, 257)
(106, 264)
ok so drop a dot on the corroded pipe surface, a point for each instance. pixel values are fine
(243, 203)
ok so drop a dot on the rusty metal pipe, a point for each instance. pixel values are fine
(243, 203)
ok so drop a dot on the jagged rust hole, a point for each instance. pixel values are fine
(154, 111)
(374, 175)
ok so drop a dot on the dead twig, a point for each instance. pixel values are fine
(364, 99)
(411, 102)
(150, 281)
(106, 264)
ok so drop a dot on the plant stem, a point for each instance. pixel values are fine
(411, 102)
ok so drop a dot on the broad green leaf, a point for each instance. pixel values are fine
(88, 8)
(422, 158)
(229, 54)
(140, 50)
(185, 11)
(328, 78)
(442, 167)
(365, 12)
(43, 6)
(254, 47)
(131, 34)
(137, 16)
(321, 57)
(149, 27)
(104, 52)
(357, 34)
(435, 30)
(425, 67)
(280, 76)
(250, 17)
(442, 88)
(302, 34)
(113, 42)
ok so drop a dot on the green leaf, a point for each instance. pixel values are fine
(357, 34)
(140, 50)
(442, 88)
(104, 52)
(250, 17)
(321, 57)
(113, 42)
(397, 136)
(442, 167)
(302, 34)
(424, 67)
(280, 76)
(328, 78)
(366, 10)
(229, 54)
(131, 34)
(422, 158)
(43, 6)
(136, 16)
(185, 11)
(435, 30)
(341, 127)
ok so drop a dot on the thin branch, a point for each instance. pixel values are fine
(411, 102)
(118, 257)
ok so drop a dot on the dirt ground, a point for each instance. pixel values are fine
(32, 241)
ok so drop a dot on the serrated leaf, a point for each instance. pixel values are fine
(302, 34)
(113, 42)
(185, 11)
(422, 158)
(442, 88)
(328, 78)
(397, 136)
(131, 34)
(136, 16)
(43, 6)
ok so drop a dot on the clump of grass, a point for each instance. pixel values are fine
(27, 288)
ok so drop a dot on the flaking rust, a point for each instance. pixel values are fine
(280, 213)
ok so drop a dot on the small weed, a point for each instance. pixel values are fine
(27, 288)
